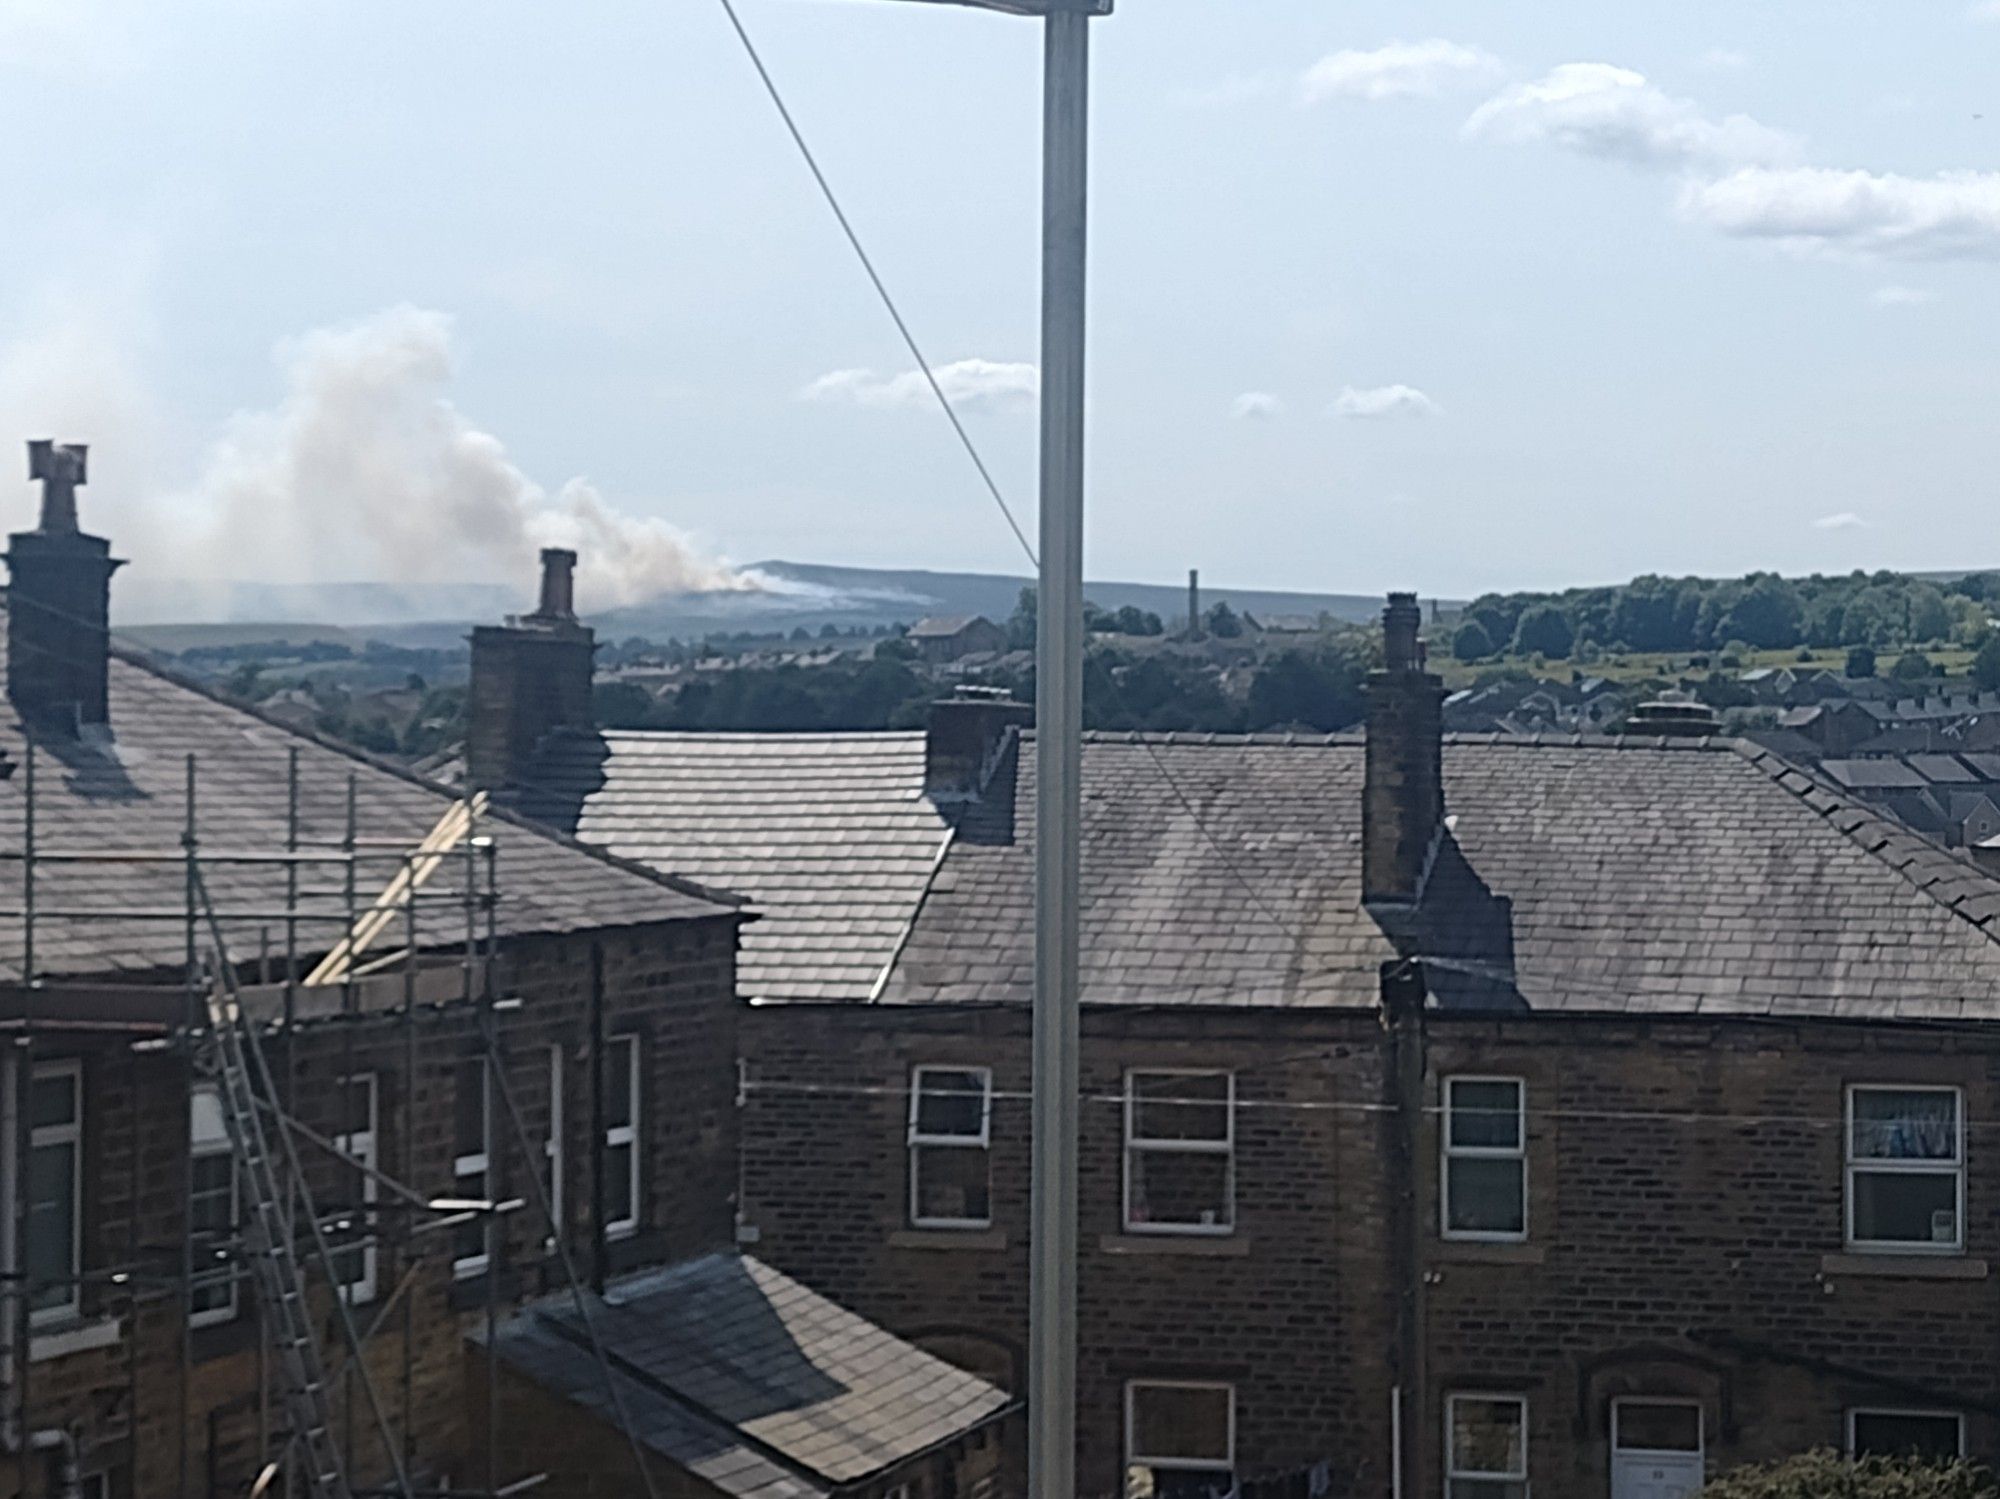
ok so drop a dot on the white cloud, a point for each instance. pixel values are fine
(1395, 71)
(1724, 60)
(1384, 400)
(970, 383)
(1901, 296)
(1601, 110)
(1953, 216)
(1256, 405)
(1846, 520)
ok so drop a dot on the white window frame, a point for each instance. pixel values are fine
(215, 1316)
(1452, 1473)
(1135, 1459)
(628, 1133)
(1225, 1147)
(919, 1142)
(552, 1143)
(477, 1163)
(1903, 1413)
(70, 1134)
(1880, 1167)
(1681, 1402)
(363, 1147)
(1448, 1152)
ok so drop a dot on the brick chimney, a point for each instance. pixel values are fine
(1402, 808)
(530, 677)
(964, 738)
(59, 603)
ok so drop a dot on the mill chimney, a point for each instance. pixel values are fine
(1194, 603)
(59, 603)
(530, 677)
(1402, 811)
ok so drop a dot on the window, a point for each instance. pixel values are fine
(951, 1112)
(1905, 1169)
(1180, 1439)
(471, 1151)
(355, 1190)
(212, 1211)
(621, 1136)
(54, 1260)
(1935, 1436)
(1486, 1447)
(1485, 1177)
(552, 1144)
(1180, 1152)
(1656, 1427)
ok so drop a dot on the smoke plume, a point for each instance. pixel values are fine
(367, 470)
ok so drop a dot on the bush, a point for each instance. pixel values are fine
(1544, 630)
(1913, 666)
(1827, 1475)
(1861, 661)
(1471, 643)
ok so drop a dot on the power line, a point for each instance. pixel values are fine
(881, 288)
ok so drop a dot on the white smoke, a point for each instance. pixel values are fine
(367, 470)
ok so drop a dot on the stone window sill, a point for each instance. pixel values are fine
(59, 1340)
(1214, 1246)
(1475, 1252)
(949, 1238)
(1905, 1266)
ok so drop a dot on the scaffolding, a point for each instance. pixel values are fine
(402, 923)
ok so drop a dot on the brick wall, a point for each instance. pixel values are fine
(1685, 1236)
(138, 1417)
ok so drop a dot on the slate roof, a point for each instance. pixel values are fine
(1588, 874)
(942, 626)
(829, 836)
(125, 790)
(749, 1380)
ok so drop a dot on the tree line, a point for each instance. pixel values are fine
(1762, 611)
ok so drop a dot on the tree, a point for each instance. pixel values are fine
(1861, 661)
(1930, 616)
(1828, 1475)
(1021, 623)
(1986, 662)
(1766, 613)
(1322, 691)
(1471, 643)
(1221, 621)
(1912, 666)
(1544, 631)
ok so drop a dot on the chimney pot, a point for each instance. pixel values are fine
(558, 600)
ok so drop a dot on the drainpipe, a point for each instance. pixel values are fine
(1403, 993)
(15, 1320)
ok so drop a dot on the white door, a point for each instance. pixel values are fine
(1656, 1449)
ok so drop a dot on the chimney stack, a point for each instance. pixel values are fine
(963, 740)
(1402, 811)
(530, 677)
(59, 602)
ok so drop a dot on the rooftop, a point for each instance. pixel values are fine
(830, 835)
(125, 788)
(749, 1380)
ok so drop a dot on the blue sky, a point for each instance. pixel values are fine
(1449, 296)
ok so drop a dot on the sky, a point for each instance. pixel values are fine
(1449, 296)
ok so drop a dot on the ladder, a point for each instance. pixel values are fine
(267, 1244)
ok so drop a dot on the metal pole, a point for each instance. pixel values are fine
(1058, 763)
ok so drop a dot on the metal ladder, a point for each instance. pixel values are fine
(267, 1244)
